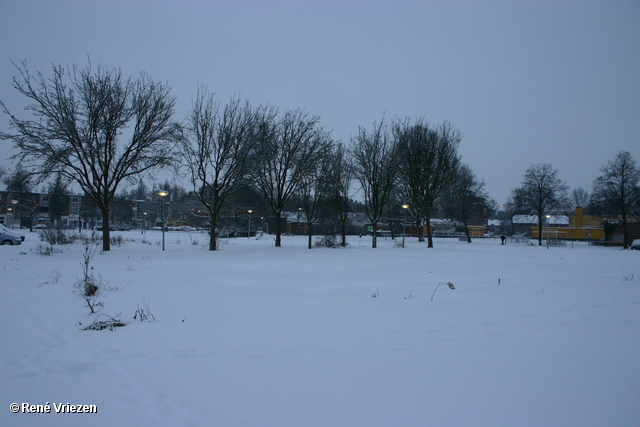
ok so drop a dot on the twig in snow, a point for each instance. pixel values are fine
(145, 312)
(441, 283)
(110, 324)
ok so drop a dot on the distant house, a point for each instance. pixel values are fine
(29, 209)
(524, 224)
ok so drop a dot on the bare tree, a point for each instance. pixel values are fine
(216, 149)
(543, 193)
(617, 191)
(286, 149)
(340, 177)
(429, 159)
(80, 118)
(465, 197)
(376, 161)
(580, 197)
(314, 184)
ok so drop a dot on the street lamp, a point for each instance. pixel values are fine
(548, 229)
(144, 224)
(404, 223)
(163, 194)
(15, 210)
(249, 233)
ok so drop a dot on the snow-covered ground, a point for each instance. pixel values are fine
(254, 335)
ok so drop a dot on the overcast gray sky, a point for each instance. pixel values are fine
(524, 81)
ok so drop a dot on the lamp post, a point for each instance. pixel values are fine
(548, 229)
(144, 224)
(15, 210)
(163, 194)
(404, 222)
(249, 233)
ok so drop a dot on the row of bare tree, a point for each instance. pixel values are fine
(227, 148)
(96, 128)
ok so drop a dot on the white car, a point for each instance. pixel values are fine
(635, 244)
(8, 237)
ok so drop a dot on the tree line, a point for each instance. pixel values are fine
(615, 193)
(94, 127)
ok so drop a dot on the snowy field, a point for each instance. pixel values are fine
(254, 335)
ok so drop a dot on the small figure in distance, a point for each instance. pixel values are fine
(503, 239)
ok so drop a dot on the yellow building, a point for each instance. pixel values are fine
(581, 227)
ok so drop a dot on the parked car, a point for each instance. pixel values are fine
(635, 244)
(8, 237)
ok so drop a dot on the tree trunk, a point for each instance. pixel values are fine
(466, 231)
(429, 233)
(213, 234)
(420, 231)
(540, 231)
(625, 232)
(343, 231)
(309, 232)
(106, 231)
(374, 237)
(278, 229)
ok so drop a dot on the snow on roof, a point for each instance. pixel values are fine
(533, 219)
